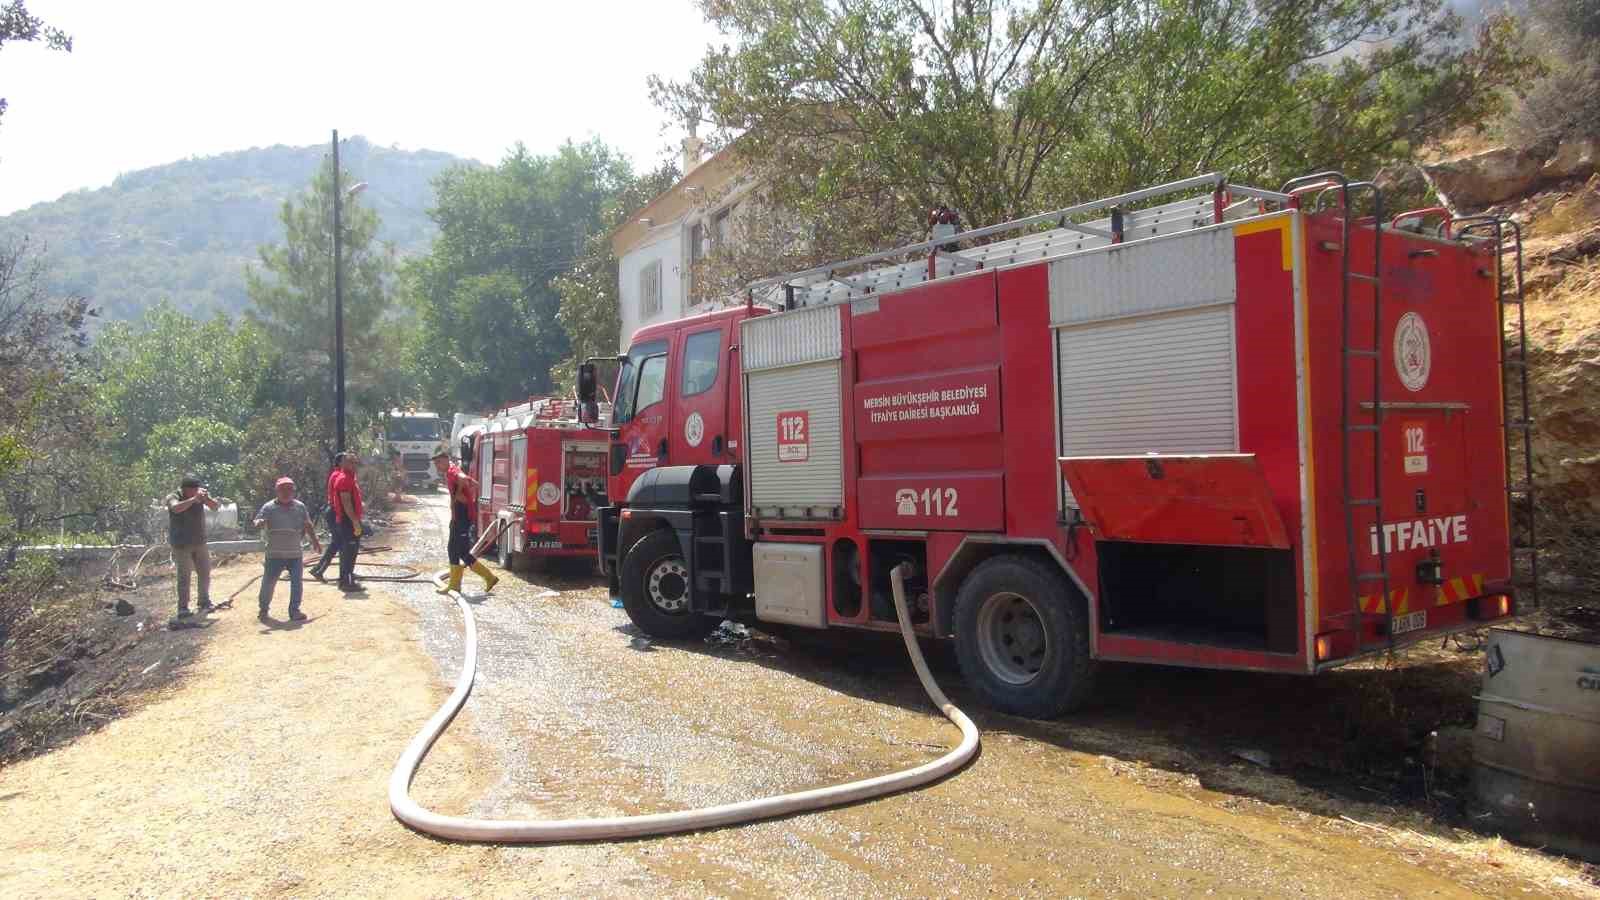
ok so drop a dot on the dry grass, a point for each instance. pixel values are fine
(1557, 876)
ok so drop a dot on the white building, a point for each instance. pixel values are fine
(658, 245)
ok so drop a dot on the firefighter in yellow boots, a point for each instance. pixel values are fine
(463, 489)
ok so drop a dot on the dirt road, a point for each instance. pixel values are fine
(264, 773)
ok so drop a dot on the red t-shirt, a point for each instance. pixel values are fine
(452, 478)
(343, 482)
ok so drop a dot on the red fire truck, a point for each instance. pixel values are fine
(1218, 426)
(542, 472)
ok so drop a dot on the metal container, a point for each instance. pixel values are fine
(1537, 744)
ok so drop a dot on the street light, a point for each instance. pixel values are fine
(338, 295)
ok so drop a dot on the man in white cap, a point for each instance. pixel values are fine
(285, 519)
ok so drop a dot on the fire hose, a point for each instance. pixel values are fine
(535, 831)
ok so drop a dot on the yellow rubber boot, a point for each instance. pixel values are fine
(489, 579)
(454, 584)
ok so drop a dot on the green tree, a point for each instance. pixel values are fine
(19, 25)
(859, 116)
(169, 368)
(291, 296)
(588, 309)
(54, 472)
(484, 293)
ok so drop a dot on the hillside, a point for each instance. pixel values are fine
(185, 231)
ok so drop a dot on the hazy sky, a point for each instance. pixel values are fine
(153, 82)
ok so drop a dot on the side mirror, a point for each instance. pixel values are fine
(588, 390)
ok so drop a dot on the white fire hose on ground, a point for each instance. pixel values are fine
(537, 831)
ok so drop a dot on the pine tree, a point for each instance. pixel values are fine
(291, 296)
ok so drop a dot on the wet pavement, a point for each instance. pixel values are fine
(584, 716)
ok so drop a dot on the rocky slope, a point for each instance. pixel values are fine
(1555, 198)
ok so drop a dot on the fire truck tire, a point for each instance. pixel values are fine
(655, 590)
(1022, 638)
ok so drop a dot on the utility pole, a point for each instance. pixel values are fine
(338, 304)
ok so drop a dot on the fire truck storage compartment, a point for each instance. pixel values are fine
(791, 365)
(1190, 548)
(1145, 347)
(583, 473)
(789, 586)
(1147, 357)
(1242, 598)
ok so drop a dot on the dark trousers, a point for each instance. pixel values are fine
(335, 541)
(349, 546)
(460, 546)
(269, 580)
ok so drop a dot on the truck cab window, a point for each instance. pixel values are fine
(652, 382)
(701, 353)
(628, 379)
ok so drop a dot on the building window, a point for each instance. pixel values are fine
(697, 243)
(701, 353)
(650, 290)
(697, 252)
(722, 229)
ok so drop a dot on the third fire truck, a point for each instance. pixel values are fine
(1216, 426)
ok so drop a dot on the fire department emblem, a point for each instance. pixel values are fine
(1413, 355)
(549, 493)
(694, 430)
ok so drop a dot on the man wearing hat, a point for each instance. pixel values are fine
(186, 532)
(285, 519)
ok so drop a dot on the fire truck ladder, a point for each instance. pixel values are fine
(1361, 582)
(1506, 238)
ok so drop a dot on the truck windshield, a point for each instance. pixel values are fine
(628, 379)
(413, 429)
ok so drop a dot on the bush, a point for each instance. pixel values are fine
(275, 444)
(1565, 101)
(23, 585)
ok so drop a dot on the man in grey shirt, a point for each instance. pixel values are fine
(285, 519)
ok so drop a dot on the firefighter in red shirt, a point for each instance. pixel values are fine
(463, 490)
(347, 511)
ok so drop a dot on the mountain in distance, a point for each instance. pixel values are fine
(185, 231)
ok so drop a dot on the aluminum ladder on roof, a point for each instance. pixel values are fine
(1349, 405)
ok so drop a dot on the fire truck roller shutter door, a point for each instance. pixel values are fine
(794, 435)
(1145, 337)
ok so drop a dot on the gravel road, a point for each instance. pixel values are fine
(583, 715)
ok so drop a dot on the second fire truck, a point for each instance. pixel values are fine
(542, 474)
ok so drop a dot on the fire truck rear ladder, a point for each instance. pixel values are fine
(1360, 581)
(1506, 237)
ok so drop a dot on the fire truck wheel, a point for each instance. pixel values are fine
(1022, 638)
(655, 590)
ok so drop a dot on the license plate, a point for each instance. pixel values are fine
(1410, 622)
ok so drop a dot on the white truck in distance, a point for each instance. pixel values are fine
(414, 435)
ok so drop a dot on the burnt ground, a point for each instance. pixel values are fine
(101, 665)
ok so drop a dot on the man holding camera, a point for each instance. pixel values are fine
(186, 532)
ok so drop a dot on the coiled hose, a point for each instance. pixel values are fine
(525, 831)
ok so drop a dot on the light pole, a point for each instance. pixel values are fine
(338, 296)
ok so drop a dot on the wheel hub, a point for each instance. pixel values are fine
(1012, 638)
(668, 586)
